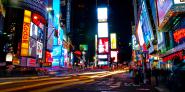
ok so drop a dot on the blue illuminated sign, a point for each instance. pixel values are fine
(57, 51)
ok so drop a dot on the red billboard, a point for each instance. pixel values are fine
(103, 45)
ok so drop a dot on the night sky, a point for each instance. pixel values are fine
(120, 17)
(121, 13)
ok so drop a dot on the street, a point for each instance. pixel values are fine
(105, 81)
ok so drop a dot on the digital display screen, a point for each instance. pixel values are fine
(102, 30)
(57, 51)
(32, 47)
(33, 30)
(103, 45)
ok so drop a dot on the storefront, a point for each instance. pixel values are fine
(25, 28)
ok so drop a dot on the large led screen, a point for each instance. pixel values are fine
(146, 25)
(102, 14)
(114, 55)
(57, 50)
(163, 6)
(140, 34)
(32, 47)
(39, 49)
(33, 30)
(102, 30)
(103, 45)
(40, 36)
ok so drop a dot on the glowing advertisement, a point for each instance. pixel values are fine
(102, 62)
(140, 34)
(114, 55)
(83, 47)
(146, 25)
(31, 62)
(39, 49)
(25, 33)
(40, 35)
(102, 14)
(50, 34)
(103, 45)
(179, 1)
(163, 6)
(102, 56)
(9, 57)
(48, 57)
(102, 30)
(57, 51)
(179, 35)
(32, 47)
(96, 42)
(38, 20)
(113, 41)
(33, 30)
(56, 62)
(135, 45)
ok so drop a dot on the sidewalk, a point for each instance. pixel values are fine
(161, 88)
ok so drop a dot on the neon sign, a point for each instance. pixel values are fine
(25, 33)
(113, 41)
(103, 45)
(170, 57)
(179, 34)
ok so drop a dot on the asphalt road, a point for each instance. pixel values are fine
(88, 82)
(114, 83)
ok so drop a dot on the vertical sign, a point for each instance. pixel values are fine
(113, 41)
(26, 33)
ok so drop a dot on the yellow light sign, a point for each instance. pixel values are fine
(27, 13)
(26, 33)
(113, 41)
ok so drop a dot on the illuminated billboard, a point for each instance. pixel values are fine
(102, 14)
(146, 25)
(39, 49)
(96, 42)
(33, 30)
(114, 55)
(102, 62)
(32, 47)
(140, 34)
(40, 35)
(83, 47)
(179, 1)
(102, 30)
(162, 7)
(179, 35)
(31, 62)
(113, 41)
(25, 33)
(103, 45)
(102, 56)
(57, 50)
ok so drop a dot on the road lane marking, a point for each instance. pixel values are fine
(20, 81)
(62, 85)
(36, 85)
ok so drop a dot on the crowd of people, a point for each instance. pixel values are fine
(173, 79)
